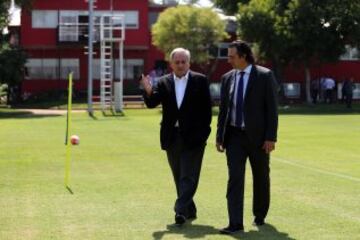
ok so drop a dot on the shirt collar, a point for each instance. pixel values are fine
(185, 77)
(247, 70)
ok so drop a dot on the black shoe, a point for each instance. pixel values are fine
(258, 222)
(231, 230)
(191, 216)
(179, 219)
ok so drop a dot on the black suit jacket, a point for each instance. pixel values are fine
(194, 115)
(260, 106)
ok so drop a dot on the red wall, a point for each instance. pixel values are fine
(36, 37)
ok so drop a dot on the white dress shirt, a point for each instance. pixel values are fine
(247, 71)
(180, 87)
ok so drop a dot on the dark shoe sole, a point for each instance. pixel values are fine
(257, 224)
(180, 219)
(230, 232)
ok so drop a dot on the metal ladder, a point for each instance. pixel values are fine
(106, 64)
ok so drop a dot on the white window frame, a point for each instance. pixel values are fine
(223, 45)
(34, 68)
(129, 64)
(96, 68)
(44, 66)
(131, 17)
(69, 26)
(68, 65)
(44, 19)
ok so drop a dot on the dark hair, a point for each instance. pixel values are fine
(243, 49)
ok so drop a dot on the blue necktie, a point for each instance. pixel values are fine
(239, 101)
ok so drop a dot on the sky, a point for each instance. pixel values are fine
(205, 3)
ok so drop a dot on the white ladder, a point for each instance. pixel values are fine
(106, 64)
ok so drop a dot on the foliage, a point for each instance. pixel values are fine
(4, 14)
(300, 31)
(4, 10)
(229, 6)
(197, 29)
(12, 61)
(12, 58)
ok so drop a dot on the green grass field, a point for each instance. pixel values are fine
(123, 188)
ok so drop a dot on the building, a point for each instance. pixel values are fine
(53, 53)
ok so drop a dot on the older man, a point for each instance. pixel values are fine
(185, 126)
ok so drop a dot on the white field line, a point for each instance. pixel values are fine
(325, 172)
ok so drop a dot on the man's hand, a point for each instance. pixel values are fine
(268, 146)
(219, 147)
(145, 82)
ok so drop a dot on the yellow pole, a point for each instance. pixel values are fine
(68, 132)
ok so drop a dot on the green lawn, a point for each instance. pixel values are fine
(123, 188)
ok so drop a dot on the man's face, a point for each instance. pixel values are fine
(180, 64)
(234, 59)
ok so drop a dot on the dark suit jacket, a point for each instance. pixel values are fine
(194, 115)
(260, 106)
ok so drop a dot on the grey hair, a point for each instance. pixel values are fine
(180, 50)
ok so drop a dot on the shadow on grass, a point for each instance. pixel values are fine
(311, 109)
(188, 230)
(24, 114)
(266, 232)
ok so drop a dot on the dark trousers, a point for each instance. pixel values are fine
(348, 99)
(185, 164)
(238, 149)
(328, 96)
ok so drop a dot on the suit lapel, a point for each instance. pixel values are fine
(251, 81)
(232, 81)
(172, 89)
(187, 90)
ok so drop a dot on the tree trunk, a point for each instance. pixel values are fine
(278, 70)
(307, 84)
(212, 68)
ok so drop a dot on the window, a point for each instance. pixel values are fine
(68, 27)
(133, 68)
(34, 68)
(68, 65)
(131, 17)
(42, 68)
(351, 53)
(96, 68)
(73, 25)
(221, 51)
(44, 19)
(50, 68)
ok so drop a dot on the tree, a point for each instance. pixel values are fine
(301, 32)
(12, 58)
(229, 6)
(12, 61)
(197, 29)
(4, 10)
